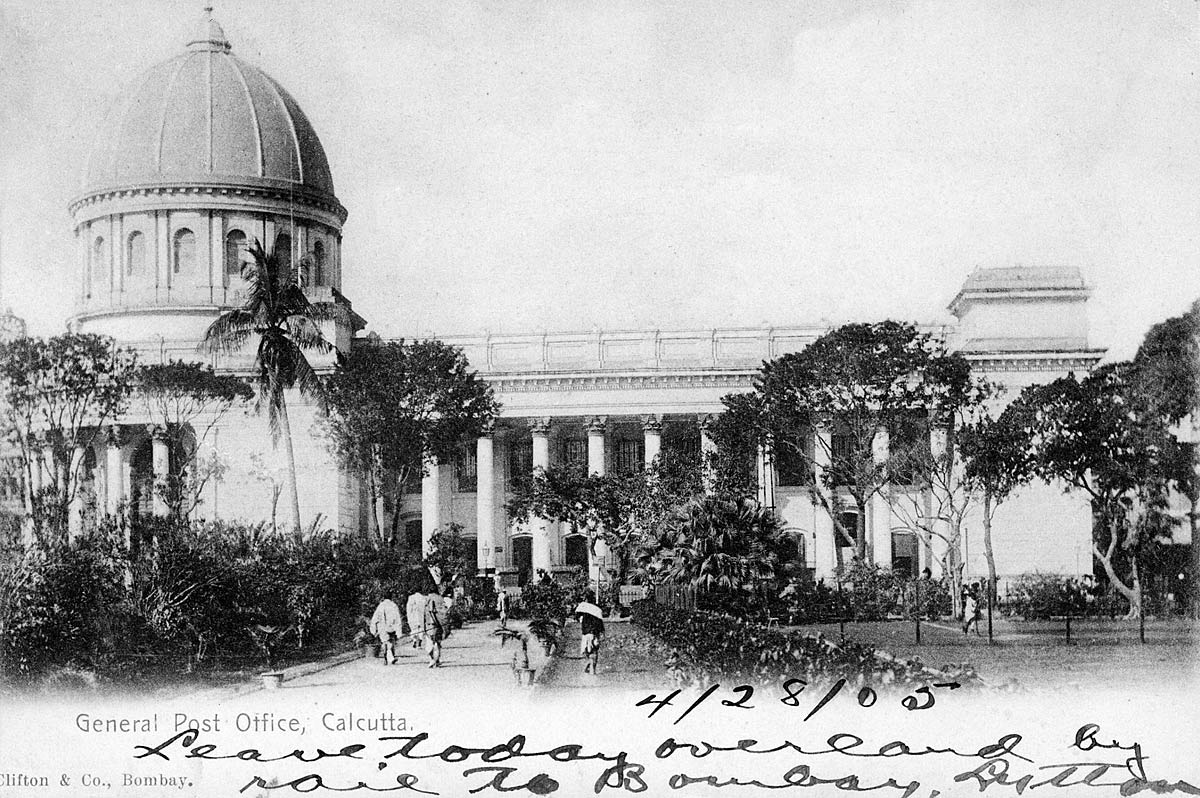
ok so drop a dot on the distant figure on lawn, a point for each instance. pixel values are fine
(414, 610)
(971, 611)
(387, 625)
(591, 630)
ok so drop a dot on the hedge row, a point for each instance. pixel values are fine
(189, 595)
(713, 648)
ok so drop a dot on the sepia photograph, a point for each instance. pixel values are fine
(712, 398)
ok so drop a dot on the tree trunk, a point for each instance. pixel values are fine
(290, 454)
(1132, 593)
(988, 552)
(860, 531)
(374, 491)
(954, 561)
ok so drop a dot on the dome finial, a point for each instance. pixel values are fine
(210, 35)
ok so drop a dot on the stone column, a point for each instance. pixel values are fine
(543, 548)
(652, 430)
(485, 497)
(431, 503)
(597, 550)
(939, 439)
(595, 449)
(75, 507)
(114, 472)
(766, 476)
(827, 538)
(708, 447)
(879, 532)
(161, 457)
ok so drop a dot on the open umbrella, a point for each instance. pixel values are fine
(590, 609)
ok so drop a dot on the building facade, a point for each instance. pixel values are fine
(207, 154)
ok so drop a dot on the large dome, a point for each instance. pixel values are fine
(206, 116)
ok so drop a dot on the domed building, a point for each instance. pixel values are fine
(204, 155)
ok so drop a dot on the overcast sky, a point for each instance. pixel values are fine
(513, 166)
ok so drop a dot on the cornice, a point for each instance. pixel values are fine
(544, 383)
(1085, 359)
(267, 191)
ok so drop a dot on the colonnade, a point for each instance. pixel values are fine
(114, 447)
(541, 530)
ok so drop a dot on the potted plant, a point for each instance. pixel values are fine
(268, 639)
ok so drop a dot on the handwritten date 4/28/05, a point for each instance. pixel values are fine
(919, 699)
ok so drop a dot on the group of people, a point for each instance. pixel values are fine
(427, 612)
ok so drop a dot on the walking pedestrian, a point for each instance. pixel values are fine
(387, 625)
(434, 626)
(591, 630)
(971, 613)
(502, 607)
(414, 610)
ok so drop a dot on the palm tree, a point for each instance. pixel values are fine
(724, 545)
(287, 325)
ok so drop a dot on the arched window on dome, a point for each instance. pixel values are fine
(235, 245)
(184, 252)
(319, 263)
(97, 263)
(283, 251)
(135, 253)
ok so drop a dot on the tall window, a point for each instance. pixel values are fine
(791, 465)
(466, 477)
(135, 253)
(235, 245)
(318, 263)
(574, 453)
(283, 251)
(520, 463)
(184, 251)
(629, 455)
(841, 459)
(99, 256)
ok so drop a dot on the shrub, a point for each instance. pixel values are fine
(1038, 596)
(713, 648)
(61, 606)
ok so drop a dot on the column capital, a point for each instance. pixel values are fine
(157, 431)
(596, 425)
(652, 423)
(488, 430)
(540, 425)
(706, 420)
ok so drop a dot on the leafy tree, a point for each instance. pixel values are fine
(996, 462)
(853, 382)
(57, 395)
(286, 325)
(1098, 438)
(394, 405)
(624, 510)
(732, 467)
(451, 553)
(188, 400)
(1166, 379)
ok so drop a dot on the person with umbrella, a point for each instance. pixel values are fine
(591, 628)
